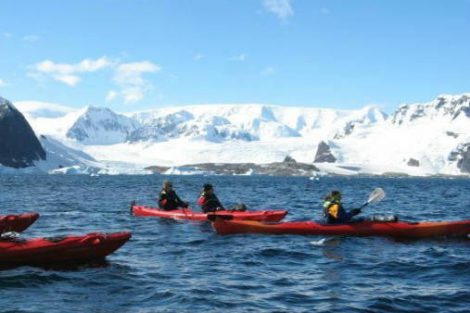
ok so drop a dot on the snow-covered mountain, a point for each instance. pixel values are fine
(61, 159)
(21, 151)
(418, 139)
(101, 126)
(246, 122)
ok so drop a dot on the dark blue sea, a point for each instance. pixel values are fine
(173, 266)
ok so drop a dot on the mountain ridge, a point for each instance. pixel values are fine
(365, 139)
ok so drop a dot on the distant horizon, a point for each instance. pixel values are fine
(169, 106)
(323, 54)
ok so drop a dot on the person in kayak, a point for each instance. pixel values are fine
(333, 209)
(168, 199)
(208, 200)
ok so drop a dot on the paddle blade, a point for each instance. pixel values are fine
(377, 195)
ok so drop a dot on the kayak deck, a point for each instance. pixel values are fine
(368, 228)
(17, 223)
(188, 214)
(61, 251)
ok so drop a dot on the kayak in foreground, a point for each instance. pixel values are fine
(188, 214)
(367, 228)
(60, 250)
(17, 223)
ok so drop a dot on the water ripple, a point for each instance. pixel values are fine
(175, 266)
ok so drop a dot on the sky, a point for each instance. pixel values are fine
(142, 54)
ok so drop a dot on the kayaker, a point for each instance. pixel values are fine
(333, 209)
(208, 200)
(168, 199)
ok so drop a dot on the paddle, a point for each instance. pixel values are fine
(375, 196)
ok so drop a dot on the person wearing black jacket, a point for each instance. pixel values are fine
(208, 200)
(168, 199)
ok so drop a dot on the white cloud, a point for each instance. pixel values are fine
(2, 83)
(111, 96)
(281, 8)
(238, 58)
(131, 73)
(68, 73)
(198, 56)
(7, 35)
(324, 11)
(268, 71)
(129, 77)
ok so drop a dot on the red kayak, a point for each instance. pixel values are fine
(17, 223)
(60, 251)
(368, 228)
(187, 214)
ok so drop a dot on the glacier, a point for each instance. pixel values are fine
(419, 139)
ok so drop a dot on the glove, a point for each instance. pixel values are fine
(355, 211)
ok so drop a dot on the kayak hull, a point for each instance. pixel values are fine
(17, 223)
(188, 214)
(60, 251)
(370, 228)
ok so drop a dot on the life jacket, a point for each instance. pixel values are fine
(331, 208)
(209, 203)
(168, 200)
(334, 212)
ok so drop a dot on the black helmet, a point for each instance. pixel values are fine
(335, 195)
(207, 187)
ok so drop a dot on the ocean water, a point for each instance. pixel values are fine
(174, 266)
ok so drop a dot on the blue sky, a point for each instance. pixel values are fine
(134, 55)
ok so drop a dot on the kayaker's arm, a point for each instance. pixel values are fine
(181, 203)
(355, 212)
(219, 204)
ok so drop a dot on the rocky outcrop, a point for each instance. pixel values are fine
(346, 131)
(290, 168)
(452, 134)
(448, 106)
(413, 162)
(324, 154)
(19, 146)
(462, 156)
(289, 159)
(464, 163)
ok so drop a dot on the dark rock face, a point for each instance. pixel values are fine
(464, 163)
(413, 162)
(324, 154)
(453, 107)
(289, 159)
(19, 146)
(452, 134)
(462, 155)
